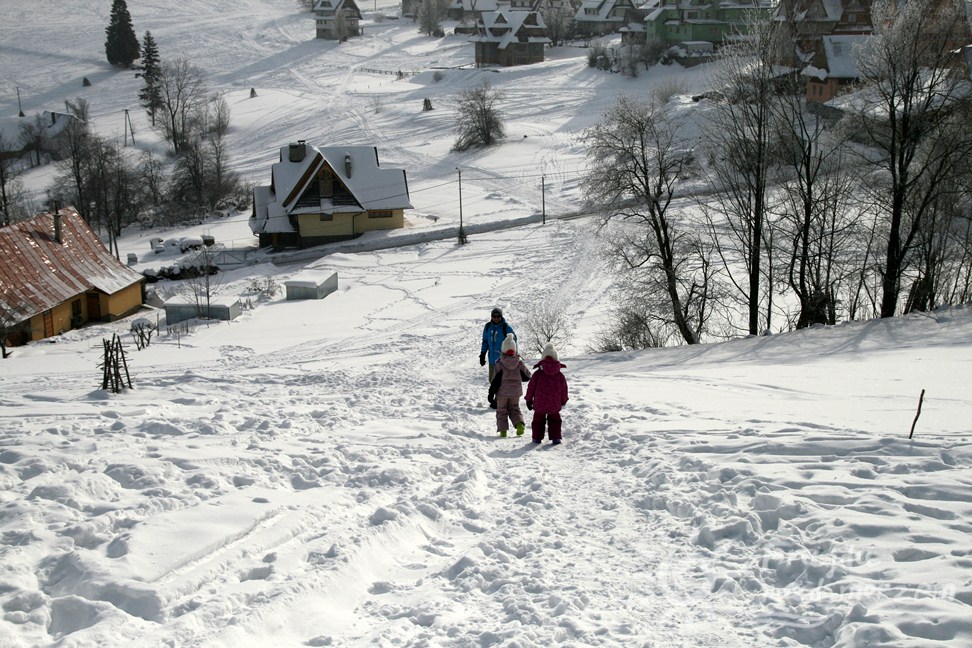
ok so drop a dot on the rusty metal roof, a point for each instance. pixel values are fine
(37, 272)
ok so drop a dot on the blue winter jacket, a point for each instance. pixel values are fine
(493, 336)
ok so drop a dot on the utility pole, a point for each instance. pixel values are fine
(128, 128)
(462, 230)
(543, 198)
(19, 107)
(460, 196)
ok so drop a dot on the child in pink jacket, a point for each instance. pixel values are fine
(505, 389)
(546, 394)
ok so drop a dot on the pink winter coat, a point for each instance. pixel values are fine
(514, 372)
(548, 387)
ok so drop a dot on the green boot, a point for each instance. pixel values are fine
(519, 428)
(502, 434)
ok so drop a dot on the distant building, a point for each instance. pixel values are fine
(676, 22)
(598, 17)
(337, 19)
(320, 195)
(57, 275)
(470, 10)
(510, 38)
(834, 67)
(52, 140)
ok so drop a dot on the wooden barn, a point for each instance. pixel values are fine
(57, 275)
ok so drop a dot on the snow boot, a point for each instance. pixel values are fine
(555, 442)
(519, 428)
(502, 434)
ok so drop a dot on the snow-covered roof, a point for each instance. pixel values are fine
(841, 55)
(40, 272)
(356, 167)
(600, 11)
(503, 27)
(474, 5)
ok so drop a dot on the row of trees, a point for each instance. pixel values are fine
(807, 218)
(112, 188)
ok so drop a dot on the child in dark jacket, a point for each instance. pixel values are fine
(546, 394)
(505, 388)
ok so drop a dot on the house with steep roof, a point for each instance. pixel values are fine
(680, 22)
(324, 194)
(834, 66)
(598, 17)
(57, 275)
(510, 38)
(470, 10)
(51, 130)
(811, 20)
(337, 19)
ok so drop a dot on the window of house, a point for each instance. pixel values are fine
(380, 214)
(76, 308)
(327, 217)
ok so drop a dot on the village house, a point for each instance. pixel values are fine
(470, 11)
(337, 19)
(321, 195)
(51, 130)
(598, 17)
(687, 22)
(57, 275)
(510, 38)
(834, 67)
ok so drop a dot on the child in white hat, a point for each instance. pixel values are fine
(506, 388)
(546, 395)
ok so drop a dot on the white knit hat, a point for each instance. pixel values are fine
(549, 351)
(509, 344)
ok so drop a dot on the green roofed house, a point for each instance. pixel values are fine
(681, 22)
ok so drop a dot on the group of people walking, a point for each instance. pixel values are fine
(546, 391)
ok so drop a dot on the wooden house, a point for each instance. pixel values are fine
(680, 22)
(57, 275)
(598, 17)
(510, 38)
(337, 19)
(321, 195)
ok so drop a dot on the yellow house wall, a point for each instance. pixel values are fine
(113, 307)
(122, 302)
(61, 315)
(311, 225)
(365, 224)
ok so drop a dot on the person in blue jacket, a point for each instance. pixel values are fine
(493, 335)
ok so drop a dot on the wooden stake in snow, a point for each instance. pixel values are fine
(917, 414)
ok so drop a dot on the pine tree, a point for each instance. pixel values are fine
(150, 94)
(121, 44)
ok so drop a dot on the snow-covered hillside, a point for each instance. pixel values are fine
(327, 473)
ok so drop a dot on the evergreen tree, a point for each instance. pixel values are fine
(150, 95)
(121, 44)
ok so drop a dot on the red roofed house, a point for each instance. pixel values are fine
(56, 275)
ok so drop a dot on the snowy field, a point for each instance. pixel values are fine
(326, 473)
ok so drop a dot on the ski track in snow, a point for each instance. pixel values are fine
(687, 534)
(351, 491)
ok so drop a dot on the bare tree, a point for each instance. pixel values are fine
(558, 16)
(182, 91)
(548, 322)
(430, 15)
(33, 138)
(637, 164)
(739, 133)
(910, 113)
(13, 327)
(478, 119)
(814, 227)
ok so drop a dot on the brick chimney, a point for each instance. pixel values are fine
(57, 227)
